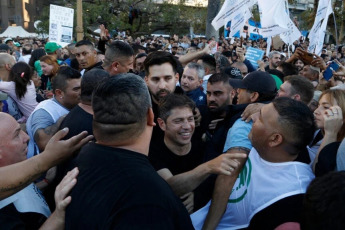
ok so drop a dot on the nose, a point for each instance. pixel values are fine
(186, 124)
(162, 84)
(26, 137)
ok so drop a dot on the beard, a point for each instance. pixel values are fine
(157, 96)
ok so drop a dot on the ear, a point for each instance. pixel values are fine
(254, 97)
(146, 79)
(8, 67)
(150, 117)
(296, 97)
(275, 139)
(161, 124)
(114, 65)
(177, 77)
(58, 93)
(201, 81)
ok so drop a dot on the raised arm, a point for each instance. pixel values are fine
(222, 191)
(186, 182)
(17, 176)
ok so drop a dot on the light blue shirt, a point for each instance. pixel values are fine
(238, 135)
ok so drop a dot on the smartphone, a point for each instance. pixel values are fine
(328, 72)
(307, 58)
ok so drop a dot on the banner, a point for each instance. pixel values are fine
(61, 25)
(254, 30)
(229, 10)
(317, 32)
(253, 55)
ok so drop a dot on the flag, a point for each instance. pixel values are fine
(230, 10)
(317, 32)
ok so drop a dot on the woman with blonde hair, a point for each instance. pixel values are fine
(329, 118)
(50, 67)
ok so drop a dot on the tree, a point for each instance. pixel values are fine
(212, 11)
(147, 16)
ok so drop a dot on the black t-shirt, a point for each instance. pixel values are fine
(119, 189)
(327, 161)
(10, 218)
(161, 157)
(77, 120)
(285, 210)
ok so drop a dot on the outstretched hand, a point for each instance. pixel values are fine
(225, 163)
(58, 150)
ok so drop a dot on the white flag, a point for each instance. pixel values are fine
(271, 17)
(238, 22)
(317, 32)
(230, 10)
(293, 33)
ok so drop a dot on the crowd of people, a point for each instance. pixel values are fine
(170, 133)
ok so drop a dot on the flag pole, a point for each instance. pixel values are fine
(336, 32)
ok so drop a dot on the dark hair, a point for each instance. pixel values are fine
(276, 72)
(117, 50)
(27, 49)
(20, 74)
(227, 53)
(120, 106)
(140, 55)
(323, 204)
(60, 80)
(288, 68)
(296, 122)
(209, 62)
(219, 77)
(159, 58)
(36, 55)
(302, 86)
(137, 47)
(91, 79)
(171, 102)
(85, 43)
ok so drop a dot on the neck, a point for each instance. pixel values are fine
(179, 150)
(4, 74)
(139, 144)
(86, 107)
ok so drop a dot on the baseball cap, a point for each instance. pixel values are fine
(257, 81)
(4, 47)
(7, 40)
(51, 47)
(233, 72)
(17, 44)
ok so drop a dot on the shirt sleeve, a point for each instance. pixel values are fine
(238, 135)
(40, 120)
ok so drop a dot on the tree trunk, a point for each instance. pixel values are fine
(212, 11)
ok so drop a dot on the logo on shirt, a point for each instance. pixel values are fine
(239, 190)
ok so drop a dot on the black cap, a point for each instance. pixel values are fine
(257, 81)
(4, 47)
(233, 72)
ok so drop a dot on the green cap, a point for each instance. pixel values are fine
(51, 47)
(17, 44)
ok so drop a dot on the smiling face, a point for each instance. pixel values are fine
(13, 141)
(179, 126)
(46, 68)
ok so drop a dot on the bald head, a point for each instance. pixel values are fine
(6, 59)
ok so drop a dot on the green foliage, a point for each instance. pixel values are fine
(170, 18)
